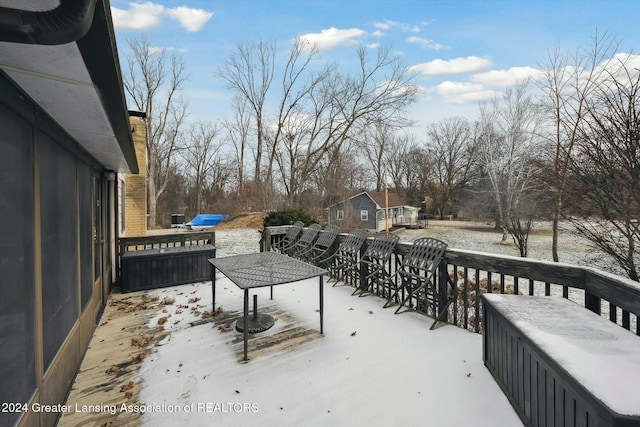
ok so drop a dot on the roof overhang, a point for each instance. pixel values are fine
(77, 83)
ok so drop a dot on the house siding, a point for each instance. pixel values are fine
(360, 203)
(398, 214)
(50, 302)
(352, 213)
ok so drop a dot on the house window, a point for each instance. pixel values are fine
(340, 214)
(364, 215)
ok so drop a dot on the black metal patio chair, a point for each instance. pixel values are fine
(305, 241)
(374, 262)
(415, 278)
(322, 247)
(290, 238)
(344, 262)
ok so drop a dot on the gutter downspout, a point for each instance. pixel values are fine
(67, 23)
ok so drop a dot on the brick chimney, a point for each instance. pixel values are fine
(135, 203)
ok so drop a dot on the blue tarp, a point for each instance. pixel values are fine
(206, 220)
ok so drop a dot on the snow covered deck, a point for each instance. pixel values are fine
(370, 367)
(593, 363)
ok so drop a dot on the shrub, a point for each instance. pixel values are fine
(287, 217)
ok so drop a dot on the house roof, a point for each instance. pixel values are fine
(77, 83)
(378, 197)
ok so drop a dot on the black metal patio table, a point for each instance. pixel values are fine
(257, 270)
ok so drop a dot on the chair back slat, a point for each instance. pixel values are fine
(327, 237)
(353, 242)
(417, 275)
(292, 233)
(425, 254)
(304, 244)
(382, 246)
(309, 235)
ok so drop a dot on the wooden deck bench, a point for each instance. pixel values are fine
(561, 364)
(161, 267)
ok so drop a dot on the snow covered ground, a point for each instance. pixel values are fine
(370, 368)
(482, 237)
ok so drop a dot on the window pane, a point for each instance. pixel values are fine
(59, 226)
(17, 280)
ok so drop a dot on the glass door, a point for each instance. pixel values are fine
(97, 239)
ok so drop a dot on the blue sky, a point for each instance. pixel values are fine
(462, 51)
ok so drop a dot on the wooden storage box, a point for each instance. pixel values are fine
(157, 268)
(561, 364)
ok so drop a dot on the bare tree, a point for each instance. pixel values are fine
(293, 153)
(238, 134)
(218, 186)
(153, 79)
(383, 152)
(330, 109)
(374, 145)
(403, 159)
(605, 168)
(569, 81)
(338, 174)
(201, 156)
(249, 72)
(451, 149)
(507, 141)
(314, 110)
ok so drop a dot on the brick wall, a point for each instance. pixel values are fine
(136, 185)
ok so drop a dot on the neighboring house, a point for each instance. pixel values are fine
(368, 210)
(64, 137)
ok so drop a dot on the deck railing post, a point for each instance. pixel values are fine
(265, 239)
(442, 287)
(361, 268)
(592, 302)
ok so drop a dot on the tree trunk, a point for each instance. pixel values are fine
(554, 229)
(258, 166)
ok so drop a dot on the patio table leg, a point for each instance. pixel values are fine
(245, 323)
(321, 304)
(213, 287)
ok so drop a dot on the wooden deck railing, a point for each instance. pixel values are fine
(464, 275)
(126, 244)
(159, 241)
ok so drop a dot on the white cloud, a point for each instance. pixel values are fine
(631, 60)
(156, 49)
(621, 66)
(142, 16)
(439, 67)
(425, 43)
(159, 49)
(190, 19)
(139, 16)
(509, 76)
(464, 92)
(332, 37)
(388, 24)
